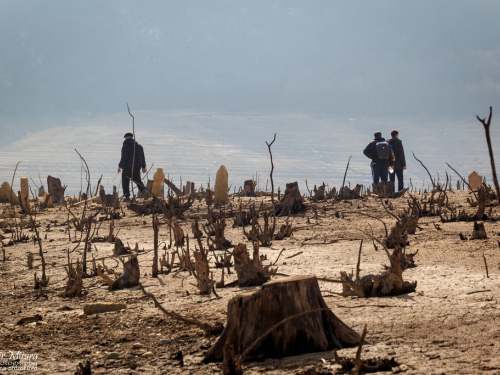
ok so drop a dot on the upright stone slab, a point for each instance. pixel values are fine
(158, 179)
(221, 186)
(9, 194)
(475, 180)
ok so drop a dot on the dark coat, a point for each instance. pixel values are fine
(370, 152)
(399, 152)
(127, 155)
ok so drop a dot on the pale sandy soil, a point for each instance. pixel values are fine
(449, 325)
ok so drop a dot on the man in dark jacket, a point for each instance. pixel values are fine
(131, 166)
(381, 157)
(400, 162)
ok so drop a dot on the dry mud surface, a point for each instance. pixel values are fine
(449, 325)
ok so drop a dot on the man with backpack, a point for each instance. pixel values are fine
(382, 158)
(131, 162)
(400, 161)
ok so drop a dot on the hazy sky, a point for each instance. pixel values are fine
(348, 58)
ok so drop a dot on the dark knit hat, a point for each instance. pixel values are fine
(128, 135)
(377, 134)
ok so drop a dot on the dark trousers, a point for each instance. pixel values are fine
(126, 175)
(399, 173)
(379, 173)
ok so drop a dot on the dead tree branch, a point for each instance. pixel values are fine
(272, 182)
(208, 328)
(486, 125)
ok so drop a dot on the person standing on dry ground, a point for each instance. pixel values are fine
(400, 161)
(131, 162)
(381, 155)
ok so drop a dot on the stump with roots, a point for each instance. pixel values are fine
(478, 232)
(288, 316)
(250, 271)
(398, 236)
(128, 279)
(292, 201)
(56, 190)
(388, 283)
(346, 193)
(120, 248)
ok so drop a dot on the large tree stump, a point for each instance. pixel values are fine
(292, 201)
(251, 315)
(56, 190)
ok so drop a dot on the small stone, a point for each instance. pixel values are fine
(113, 355)
(164, 342)
(147, 354)
(137, 345)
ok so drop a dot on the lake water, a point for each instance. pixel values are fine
(191, 146)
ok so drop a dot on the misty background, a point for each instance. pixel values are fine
(323, 75)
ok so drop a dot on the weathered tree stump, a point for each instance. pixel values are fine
(178, 235)
(285, 230)
(74, 282)
(56, 190)
(310, 327)
(24, 195)
(249, 188)
(202, 271)
(109, 200)
(410, 222)
(120, 248)
(478, 232)
(242, 218)
(481, 204)
(398, 236)
(319, 193)
(262, 234)
(292, 201)
(346, 193)
(128, 279)
(249, 271)
(388, 283)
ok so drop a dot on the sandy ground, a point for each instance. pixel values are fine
(449, 325)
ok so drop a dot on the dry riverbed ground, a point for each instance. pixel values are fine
(451, 324)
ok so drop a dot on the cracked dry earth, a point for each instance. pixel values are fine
(449, 325)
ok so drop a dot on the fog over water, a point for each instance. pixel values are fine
(210, 81)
